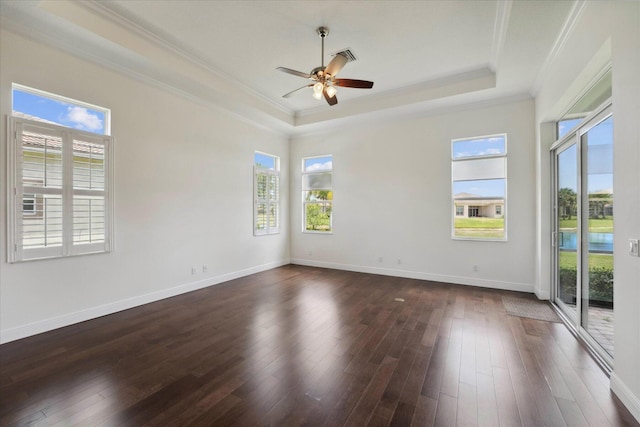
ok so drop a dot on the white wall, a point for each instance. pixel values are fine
(605, 32)
(392, 199)
(183, 198)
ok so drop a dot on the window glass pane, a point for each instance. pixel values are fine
(265, 161)
(318, 164)
(41, 108)
(477, 169)
(564, 126)
(479, 207)
(316, 181)
(318, 216)
(478, 147)
(595, 96)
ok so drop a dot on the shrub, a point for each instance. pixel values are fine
(600, 284)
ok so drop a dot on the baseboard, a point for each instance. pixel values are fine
(39, 327)
(542, 295)
(626, 396)
(471, 281)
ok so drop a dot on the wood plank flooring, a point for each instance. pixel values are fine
(305, 346)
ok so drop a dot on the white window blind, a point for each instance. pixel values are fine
(60, 203)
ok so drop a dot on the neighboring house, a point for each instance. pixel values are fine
(468, 205)
(601, 203)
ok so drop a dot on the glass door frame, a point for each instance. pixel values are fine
(574, 320)
(570, 140)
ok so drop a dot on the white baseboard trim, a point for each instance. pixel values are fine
(630, 400)
(471, 281)
(542, 295)
(12, 334)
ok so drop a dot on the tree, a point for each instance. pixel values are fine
(317, 217)
(567, 203)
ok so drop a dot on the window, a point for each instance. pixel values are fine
(266, 194)
(60, 202)
(479, 180)
(46, 107)
(598, 93)
(317, 194)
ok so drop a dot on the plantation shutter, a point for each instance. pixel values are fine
(60, 179)
(89, 197)
(267, 201)
(38, 192)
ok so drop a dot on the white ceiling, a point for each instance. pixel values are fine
(422, 55)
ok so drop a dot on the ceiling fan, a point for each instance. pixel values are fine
(324, 78)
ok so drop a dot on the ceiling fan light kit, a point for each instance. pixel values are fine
(324, 78)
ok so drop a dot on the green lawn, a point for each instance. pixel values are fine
(491, 228)
(595, 225)
(568, 260)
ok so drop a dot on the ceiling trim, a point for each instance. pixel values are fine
(40, 35)
(461, 83)
(384, 117)
(500, 28)
(115, 18)
(564, 34)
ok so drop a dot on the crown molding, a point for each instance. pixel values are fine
(566, 31)
(500, 28)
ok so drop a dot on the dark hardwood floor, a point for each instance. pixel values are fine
(306, 346)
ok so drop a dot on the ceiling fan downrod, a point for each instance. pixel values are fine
(322, 32)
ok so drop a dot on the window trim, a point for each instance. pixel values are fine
(305, 202)
(15, 252)
(268, 230)
(64, 99)
(480, 158)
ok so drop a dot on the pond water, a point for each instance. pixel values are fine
(598, 242)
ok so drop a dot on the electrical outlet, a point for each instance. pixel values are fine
(475, 267)
(380, 259)
(634, 247)
(193, 270)
(204, 268)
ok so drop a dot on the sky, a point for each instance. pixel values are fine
(483, 188)
(62, 113)
(493, 145)
(314, 164)
(265, 160)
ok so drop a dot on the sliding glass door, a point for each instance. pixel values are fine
(567, 226)
(597, 209)
(583, 230)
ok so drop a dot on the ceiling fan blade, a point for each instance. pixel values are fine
(288, 95)
(358, 84)
(331, 100)
(294, 72)
(336, 64)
